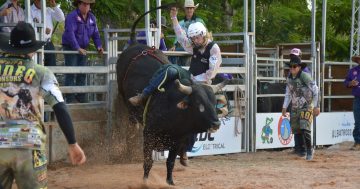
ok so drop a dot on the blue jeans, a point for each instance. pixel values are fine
(170, 73)
(74, 79)
(356, 108)
(49, 58)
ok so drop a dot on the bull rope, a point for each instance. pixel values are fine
(143, 53)
(238, 99)
(146, 108)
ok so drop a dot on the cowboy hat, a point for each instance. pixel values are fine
(76, 2)
(21, 40)
(356, 59)
(296, 60)
(190, 3)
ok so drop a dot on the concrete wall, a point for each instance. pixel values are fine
(89, 125)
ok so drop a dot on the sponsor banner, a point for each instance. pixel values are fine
(226, 140)
(273, 131)
(334, 127)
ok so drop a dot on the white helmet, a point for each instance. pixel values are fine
(196, 29)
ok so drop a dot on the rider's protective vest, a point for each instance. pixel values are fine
(200, 61)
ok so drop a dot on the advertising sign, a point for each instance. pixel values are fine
(225, 140)
(273, 131)
(334, 127)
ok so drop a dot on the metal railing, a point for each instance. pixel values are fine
(329, 80)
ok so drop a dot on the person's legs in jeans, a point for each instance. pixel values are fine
(161, 77)
(49, 58)
(299, 147)
(356, 108)
(70, 60)
(81, 78)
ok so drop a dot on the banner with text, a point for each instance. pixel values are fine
(225, 140)
(334, 127)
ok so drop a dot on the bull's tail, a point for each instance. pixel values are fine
(133, 34)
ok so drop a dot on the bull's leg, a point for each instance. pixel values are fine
(170, 162)
(148, 161)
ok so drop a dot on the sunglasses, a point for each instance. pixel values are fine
(293, 66)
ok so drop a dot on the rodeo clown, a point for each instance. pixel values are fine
(303, 94)
(23, 87)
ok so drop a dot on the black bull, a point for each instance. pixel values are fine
(172, 116)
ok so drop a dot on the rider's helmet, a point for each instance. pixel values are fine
(196, 29)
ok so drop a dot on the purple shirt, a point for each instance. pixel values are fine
(354, 73)
(162, 45)
(78, 31)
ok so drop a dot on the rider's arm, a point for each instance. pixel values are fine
(215, 61)
(182, 38)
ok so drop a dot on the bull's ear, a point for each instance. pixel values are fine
(182, 105)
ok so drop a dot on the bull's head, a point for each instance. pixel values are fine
(201, 99)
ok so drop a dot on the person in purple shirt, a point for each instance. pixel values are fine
(352, 81)
(80, 26)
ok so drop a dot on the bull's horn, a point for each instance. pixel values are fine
(182, 88)
(219, 86)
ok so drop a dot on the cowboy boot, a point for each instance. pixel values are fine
(137, 100)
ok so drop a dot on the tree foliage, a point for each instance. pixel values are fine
(277, 21)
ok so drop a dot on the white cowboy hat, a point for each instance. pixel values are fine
(190, 3)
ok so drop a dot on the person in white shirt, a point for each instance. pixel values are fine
(52, 13)
(11, 12)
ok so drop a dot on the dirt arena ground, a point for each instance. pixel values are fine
(334, 167)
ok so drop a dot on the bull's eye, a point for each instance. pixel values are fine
(201, 108)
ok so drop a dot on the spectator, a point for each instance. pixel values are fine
(303, 94)
(162, 45)
(23, 146)
(190, 17)
(52, 13)
(352, 81)
(11, 12)
(80, 26)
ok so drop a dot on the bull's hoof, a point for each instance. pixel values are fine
(145, 179)
(184, 162)
(170, 182)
